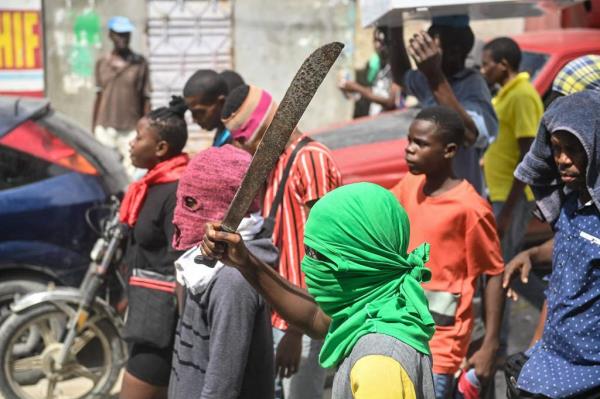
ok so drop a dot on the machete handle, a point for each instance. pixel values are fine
(205, 260)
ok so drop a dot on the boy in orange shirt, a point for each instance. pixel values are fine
(449, 214)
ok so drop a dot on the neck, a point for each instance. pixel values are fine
(509, 76)
(123, 53)
(439, 183)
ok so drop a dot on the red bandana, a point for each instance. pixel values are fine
(165, 172)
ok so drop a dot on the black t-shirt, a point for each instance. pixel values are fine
(149, 243)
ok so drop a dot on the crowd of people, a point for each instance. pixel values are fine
(378, 284)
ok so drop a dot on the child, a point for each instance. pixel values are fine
(562, 169)
(223, 346)
(459, 224)
(370, 306)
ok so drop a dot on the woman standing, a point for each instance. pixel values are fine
(148, 209)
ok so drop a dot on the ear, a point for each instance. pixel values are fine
(221, 100)
(162, 149)
(505, 64)
(450, 150)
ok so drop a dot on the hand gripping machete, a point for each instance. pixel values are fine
(292, 107)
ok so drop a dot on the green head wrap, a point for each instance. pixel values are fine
(361, 275)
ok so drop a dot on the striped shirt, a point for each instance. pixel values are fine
(312, 175)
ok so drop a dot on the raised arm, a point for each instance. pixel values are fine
(292, 303)
(428, 56)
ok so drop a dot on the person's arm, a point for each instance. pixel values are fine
(483, 256)
(522, 264)
(399, 61)
(388, 103)
(504, 218)
(232, 309)
(484, 359)
(428, 57)
(294, 304)
(146, 90)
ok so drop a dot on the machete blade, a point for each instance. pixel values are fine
(297, 97)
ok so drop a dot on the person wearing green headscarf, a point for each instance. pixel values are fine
(365, 291)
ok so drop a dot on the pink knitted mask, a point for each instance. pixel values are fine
(205, 191)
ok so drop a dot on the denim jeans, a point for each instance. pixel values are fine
(443, 384)
(309, 380)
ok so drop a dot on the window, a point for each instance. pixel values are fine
(19, 168)
(533, 63)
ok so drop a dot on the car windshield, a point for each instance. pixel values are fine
(533, 62)
(384, 127)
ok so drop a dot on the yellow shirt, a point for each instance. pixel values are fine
(380, 377)
(519, 109)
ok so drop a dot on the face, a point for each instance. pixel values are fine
(570, 158)
(146, 149)
(453, 57)
(426, 152)
(120, 40)
(206, 114)
(379, 44)
(494, 72)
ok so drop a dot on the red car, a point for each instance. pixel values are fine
(372, 148)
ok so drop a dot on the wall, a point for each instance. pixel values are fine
(272, 38)
(76, 34)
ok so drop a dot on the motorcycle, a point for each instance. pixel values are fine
(66, 342)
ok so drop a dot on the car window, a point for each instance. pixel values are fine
(533, 62)
(18, 168)
(383, 127)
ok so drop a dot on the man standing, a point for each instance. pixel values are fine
(519, 109)
(442, 79)
(123, 91)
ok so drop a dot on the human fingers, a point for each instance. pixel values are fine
(525, 270)
(510, 270)
(414, 51)
(512, 294)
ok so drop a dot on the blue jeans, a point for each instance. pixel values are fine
(443, 384)
(309, 380)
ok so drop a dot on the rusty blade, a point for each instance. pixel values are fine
(294, 103)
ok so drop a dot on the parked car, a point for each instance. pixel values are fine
(546, 52)
(51, 172)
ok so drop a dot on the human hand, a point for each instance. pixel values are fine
(427, 55)
(350, 86)
(288, 353)
(519, 264)
(229, 248)
(484, 362)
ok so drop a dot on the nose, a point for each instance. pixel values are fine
(409, 149)
(563, 160)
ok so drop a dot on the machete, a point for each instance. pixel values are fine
(297, 97)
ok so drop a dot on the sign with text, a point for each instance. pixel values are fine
(21, 48)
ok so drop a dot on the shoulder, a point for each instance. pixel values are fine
(138, 59)
(163, 190)
(229, 283)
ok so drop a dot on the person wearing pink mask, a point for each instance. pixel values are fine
(223, 345)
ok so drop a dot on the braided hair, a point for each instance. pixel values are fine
(169, 124)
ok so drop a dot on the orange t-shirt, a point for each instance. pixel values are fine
(461, 229)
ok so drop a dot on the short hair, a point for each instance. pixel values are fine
(232, 79)
(505, 48)
(450, 125)
(461, 37)
(169, 124)
(205, 83)
(234, 101)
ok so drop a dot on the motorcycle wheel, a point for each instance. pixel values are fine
(30, 371)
